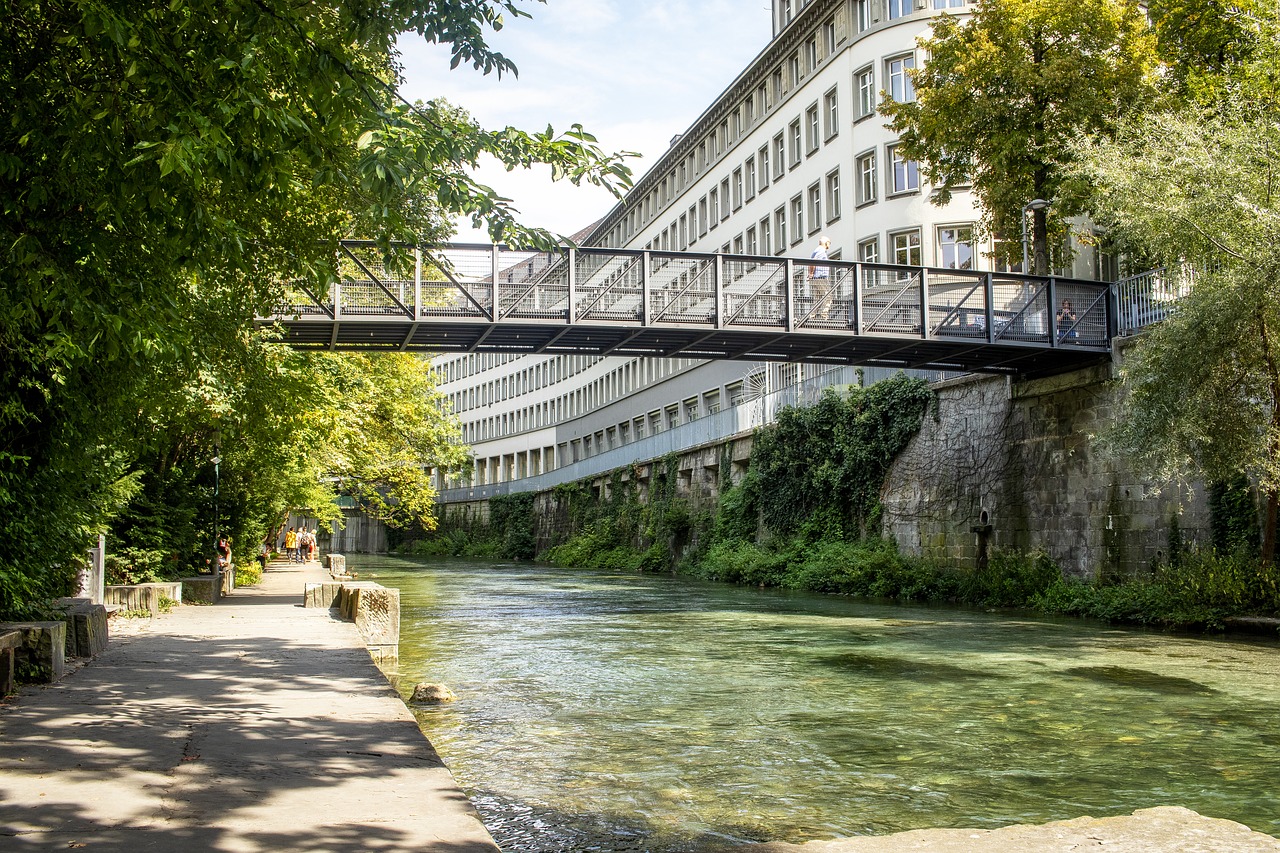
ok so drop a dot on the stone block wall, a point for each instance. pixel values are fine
(142, 596)
(376, 611)
(1024, 457)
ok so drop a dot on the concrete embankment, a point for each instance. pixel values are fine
(251, 725)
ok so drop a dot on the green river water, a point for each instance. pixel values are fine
(616, 712)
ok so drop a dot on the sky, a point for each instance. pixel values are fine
(633, 72)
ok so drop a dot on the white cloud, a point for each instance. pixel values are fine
(634, 74)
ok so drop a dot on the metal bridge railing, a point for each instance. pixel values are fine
(631, 287)
(1149, 297)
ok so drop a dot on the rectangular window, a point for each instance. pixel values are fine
(795, 143)
(866, 169)
(737, 188)
(780, 155)
(702, 156)
(777, 85)
(829, 36)
(812, 128)
(737, 245)
(906, 173)
(752, 247)
(831, 109)
(766, 246)
(750, 168)
(900, 8)
(815, 208)
(901, 89)
(713, 199)
(693, 224)
(949, 4)
(865, 80)
(702, 216)
(811, 54)
(764, 167)
(749, 112)
(906, 248)
(762, 99)
(833, 196)
(797, 219)
(955, 247)
(684, 232)
(684, 174)
(793, 65)
(864, 15)
(869, 250)
(737, 123)
(780, 229)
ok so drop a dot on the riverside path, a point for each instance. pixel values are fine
(249, 726)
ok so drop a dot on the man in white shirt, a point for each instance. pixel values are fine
(820, 279)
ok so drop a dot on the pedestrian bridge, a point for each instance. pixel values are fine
(480, 298)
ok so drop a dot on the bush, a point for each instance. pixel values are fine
(138, 565)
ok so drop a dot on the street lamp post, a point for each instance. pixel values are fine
(1034, 204)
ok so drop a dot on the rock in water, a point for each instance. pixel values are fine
(432, 694)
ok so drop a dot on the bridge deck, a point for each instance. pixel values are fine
(677, 304)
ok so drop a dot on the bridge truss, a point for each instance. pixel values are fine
(479, 298)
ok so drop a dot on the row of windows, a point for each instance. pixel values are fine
(871, 12)
(903, 176)
(954, 245)
(785, 78)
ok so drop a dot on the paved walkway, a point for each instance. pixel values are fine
(250, 726)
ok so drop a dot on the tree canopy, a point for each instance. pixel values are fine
(165, 167)
(1195, 188)
(1005, 91)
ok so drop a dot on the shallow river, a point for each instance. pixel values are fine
(615, 712)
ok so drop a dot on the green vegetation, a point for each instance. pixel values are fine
(165, 170)
(507, 534)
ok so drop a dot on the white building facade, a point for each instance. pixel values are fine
(792, 150)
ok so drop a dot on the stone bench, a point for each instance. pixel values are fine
(142, 596)
(337, 566)
(202, 589)
(321, 594)
(41, 655)
(9, 643)
(86, 626)
(228, 580)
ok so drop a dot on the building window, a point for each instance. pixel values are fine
(899, 8)
(797, 220)
(864, 15)
(811, 125)
(737, 188)
(906, 173)
(906, 248)
(955, 247)
(684, 231)
(829, 36)
(764, 167)
(751, 178)
(866, 169)
(815, 208)
(788, 11)
(713, 198)
(762, 99)
(869, 250)
(865, 80)
(811, 54)
(702, 216)
(780, 229)
(752, 246)
(833, 196)
(737, 245)
(777, 85)
(831, 109)
(949, 4)
(901, 89)
(737, 123)
(693, 224)
(780, 155)
(702, 155)
(765, 237)
(748, 112)
(795, 143)
(724, 199)
(793, 65)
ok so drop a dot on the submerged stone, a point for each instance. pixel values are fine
(432, 694)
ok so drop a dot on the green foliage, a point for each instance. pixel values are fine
(164, 170)
(1233, 517)
(1004, 93)
(129, 565)
(508, 534)
(1207, 43)
(248, 573)
(817, 471)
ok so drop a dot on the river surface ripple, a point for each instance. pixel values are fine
(616, 712)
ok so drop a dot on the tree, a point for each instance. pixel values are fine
(164, 168)
(1206, 43)
(1005, 92)
(1204, 385)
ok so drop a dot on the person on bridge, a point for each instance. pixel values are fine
(1066, 321)
(820, 279)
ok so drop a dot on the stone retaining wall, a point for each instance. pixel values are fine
(374, 609)
(142, 596)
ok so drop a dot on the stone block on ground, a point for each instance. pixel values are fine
(322, 595)
(228, 578)
(376, 611)
(9, 643)
(143, 596)
(87, 633)
(337, 566)
(42, 655)
(201, 589)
